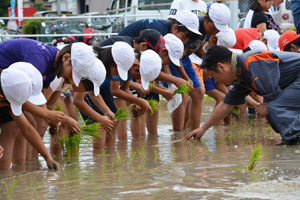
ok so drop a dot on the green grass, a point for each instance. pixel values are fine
(183, 89)
(121, 114)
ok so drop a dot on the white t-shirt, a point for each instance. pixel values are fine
(199, 8)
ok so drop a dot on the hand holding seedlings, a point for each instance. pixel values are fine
(52, 164)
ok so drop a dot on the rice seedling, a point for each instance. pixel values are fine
(255, 158)
(183, 89)
(142, 153)
(90, 129)
(34, 185)
(12, 186)
(153, 104)
(132, 156)
(120, 160)
(58, 107)
(70, 145)
(156, 155)
(151, 85)
(121, 114)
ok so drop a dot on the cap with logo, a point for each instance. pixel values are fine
(82, 59)
(150, 67)
(17, 88)
(123, 55)
(272, 37)
(286, 38)
(220, 14)
(37, 96)
(189, 20)
(175, 48)
(154, 39)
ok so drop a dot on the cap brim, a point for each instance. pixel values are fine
(222, 27)
(122, 73)
(76, 79)
(174, 60)
(96, 89)
(38, 99)
(194, 31)
(145, 84)
(16, 109)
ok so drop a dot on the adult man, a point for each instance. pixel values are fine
(274, 75)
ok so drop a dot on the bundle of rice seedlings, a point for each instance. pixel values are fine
(58, 107)
(183, 89)
(121, 114)
(255, 158)
(153, 104)
(90, 129)
(236, 111)
(151, 85)
(133, 108)
(70, 145)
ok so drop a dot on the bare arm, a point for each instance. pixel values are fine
(221, 111)
(100, 103)
(34, 139)
(262, 27)
(171, 79)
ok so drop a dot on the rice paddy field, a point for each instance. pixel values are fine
(237, 161)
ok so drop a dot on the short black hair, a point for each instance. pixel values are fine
(88, 85)
(208, 19)
(214, 55)
(255, 6)
(295, 42)
(59, 64)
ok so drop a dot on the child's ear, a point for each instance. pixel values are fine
(66, 56)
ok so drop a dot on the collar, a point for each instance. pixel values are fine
(234, 67)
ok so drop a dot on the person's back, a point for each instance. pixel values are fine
(244, 36)
(134, 29)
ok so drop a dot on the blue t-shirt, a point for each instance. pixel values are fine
(40, 55)
(134, 29)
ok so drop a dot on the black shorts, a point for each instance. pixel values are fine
(5, 115)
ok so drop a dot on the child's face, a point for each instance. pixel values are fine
(67, 70)
(134, 70)
(165, 57)
(210, 27)
(265, 4)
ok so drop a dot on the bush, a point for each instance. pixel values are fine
(32, 27)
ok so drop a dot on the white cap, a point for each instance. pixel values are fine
(257, 45)
(17, 88)
(97, 76)
(220, 14)
(123, 55)
(35, 75)
(272, 37)
(83, 59)
(175, 48)
(150, 67)
(189, 20)
(226, 38)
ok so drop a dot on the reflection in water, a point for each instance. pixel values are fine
(168, 167)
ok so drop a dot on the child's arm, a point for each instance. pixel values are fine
(79, 102)
(1, 151)
(100, 103)
(172, 79)
(122, 94)
(35, 140)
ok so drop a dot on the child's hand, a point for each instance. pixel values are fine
(107, 123)
(55, 116)
(72, 124)
(168, 94)
(53, 165)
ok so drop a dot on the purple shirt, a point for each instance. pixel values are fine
(40, 55)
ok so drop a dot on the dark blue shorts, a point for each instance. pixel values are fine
(107, 97)
(186, 62)
(210, 84)
(151, 95)
(5, 115)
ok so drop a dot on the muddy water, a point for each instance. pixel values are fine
(168, 167)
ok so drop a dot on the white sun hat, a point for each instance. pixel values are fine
(17, 88)
(123, 55)
(175, 48)
(82, 59)
(189, 20)
(97, 76)
(35, 75)
(220, 14)
(150, 67)
(226, 38)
